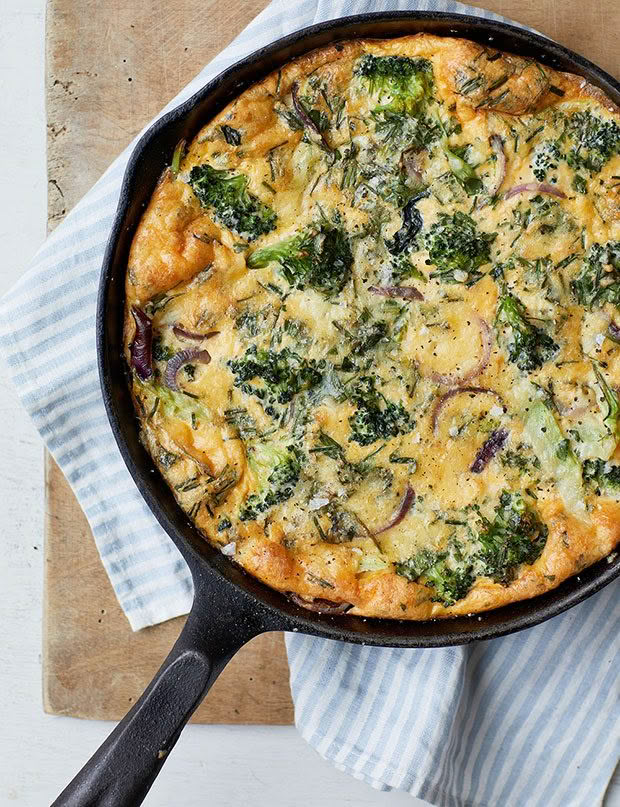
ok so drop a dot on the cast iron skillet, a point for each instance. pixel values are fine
(230, 607)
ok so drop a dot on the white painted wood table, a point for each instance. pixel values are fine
(38, 754)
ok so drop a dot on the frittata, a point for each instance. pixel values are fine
(372, 328)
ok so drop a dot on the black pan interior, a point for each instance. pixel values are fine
(151, 155)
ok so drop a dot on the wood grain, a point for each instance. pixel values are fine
(589, 28)
(110, 68)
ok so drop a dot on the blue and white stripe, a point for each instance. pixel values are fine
(529, 720)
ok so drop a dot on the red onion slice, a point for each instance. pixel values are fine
(181, 358)
(534, 187)
(402, 292)
(403, 509)
(442, 400)
(497, 144)
(193, 335)
(451, 379)
(491, 446)
(319, 605)
(140, 349)
(613, 332)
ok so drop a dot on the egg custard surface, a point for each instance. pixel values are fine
(372, 328)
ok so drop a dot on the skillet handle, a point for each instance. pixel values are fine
(121, 772)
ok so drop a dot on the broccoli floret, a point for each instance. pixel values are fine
(161, 352)
(515, 536)
(233, 205)
(519, 460)
(277, 468)
(407, 81)
(284, 374)
(546, 158)
(457, 248)
(595, 141)
(603, 476)
(598, 280)
(450, 577)
(529, 347)
(376, 418)
(319, 257)
(462, 171)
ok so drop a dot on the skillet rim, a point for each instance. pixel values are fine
(210, 569)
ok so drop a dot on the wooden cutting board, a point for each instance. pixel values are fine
(110, 68)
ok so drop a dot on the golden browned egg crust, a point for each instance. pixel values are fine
(372, 327)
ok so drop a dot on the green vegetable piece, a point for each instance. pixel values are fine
(372, 563)
(579, 184)
(407, 81)
(555, 455)
(167, 459)
(231, 136)
(344, 525)
(603, 476)
(598, 281)
(160, 351)
(518, 460)
(450, 581)
(464, 172)
(398, 129)
(284, 374)
(406, 85)
(611, 399)
(177, 156)
(328, 446)
(594, 141)
(181, 405)
(546, 158)
(516, 536)
(457, 248)
(376, 418)
(319, 257)
(366, 333)
(233, 205)
(277, 468)
(529, 347)
(239, 418)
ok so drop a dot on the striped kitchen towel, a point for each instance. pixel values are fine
(529, 720)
